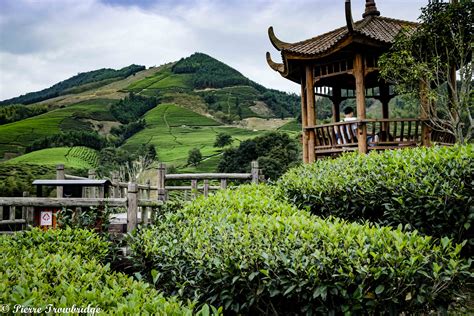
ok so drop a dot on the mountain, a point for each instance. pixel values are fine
(172, 109)
(80, 82)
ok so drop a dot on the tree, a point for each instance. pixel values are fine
(194, 157)
(275, 152)
(222, 140)
(424, 64)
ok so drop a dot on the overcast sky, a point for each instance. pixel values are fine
(45, 41)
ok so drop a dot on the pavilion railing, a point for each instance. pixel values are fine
(381, 134)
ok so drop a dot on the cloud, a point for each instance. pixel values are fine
(43, 42)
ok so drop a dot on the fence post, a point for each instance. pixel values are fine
(223, 184)
(132, 202)
(115, 190)
(27, 211)
(206, 187)
(194, 188)
(146, 210)
(91, 191)
(161, 182)
(254, 172)
(59, 176)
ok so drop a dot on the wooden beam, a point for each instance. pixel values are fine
(311, 113)
(304, 122)
(209, 176)
(62, 202)
(360, 101)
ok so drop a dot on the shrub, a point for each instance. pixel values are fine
(56, 268)
(78, 242)
(253, 254)
(430, 189)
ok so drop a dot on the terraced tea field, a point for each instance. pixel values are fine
(72, 157)
(14, 137)
(174, 131)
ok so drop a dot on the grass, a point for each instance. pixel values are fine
(71, 157)
(19, 135)
(174, 131)
(293, 126)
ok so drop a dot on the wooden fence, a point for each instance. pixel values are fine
(132, 196)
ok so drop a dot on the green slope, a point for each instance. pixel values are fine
(14, 137)
(72, 157)
(174, 131)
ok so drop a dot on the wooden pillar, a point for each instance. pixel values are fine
(424, 115)
(336, 101)
(161, 182)
(206, 187)
(311, 113)
(92, 190)
(59, 176)
(146, 210)
(27, 212)
(194, 189)
(384, 99)
(223, 184)
(115, 188)
(359, 75)
(304, 122)
(132, 210)
(254, 172)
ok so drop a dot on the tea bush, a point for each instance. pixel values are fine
(62, 269)
(430, 189)
(78, 242)
(251, 253)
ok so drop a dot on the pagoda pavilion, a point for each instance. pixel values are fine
(343, 64)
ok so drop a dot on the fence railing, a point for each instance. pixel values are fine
(136, 198)
(21, 209)
(381, 134)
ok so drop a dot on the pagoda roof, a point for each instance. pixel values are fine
(380, 31)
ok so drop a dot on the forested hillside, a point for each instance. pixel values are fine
(78, 83)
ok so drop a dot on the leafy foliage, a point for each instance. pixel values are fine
(63, 268)
(17, 112)
(430, 55)
(275, 152)
(131, 108)
(251, 253)
(429, 189)
(79, 79)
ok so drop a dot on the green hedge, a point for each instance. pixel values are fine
(430, 189)
(253, 254)
(63, 268)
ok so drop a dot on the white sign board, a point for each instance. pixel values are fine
(46, 218)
